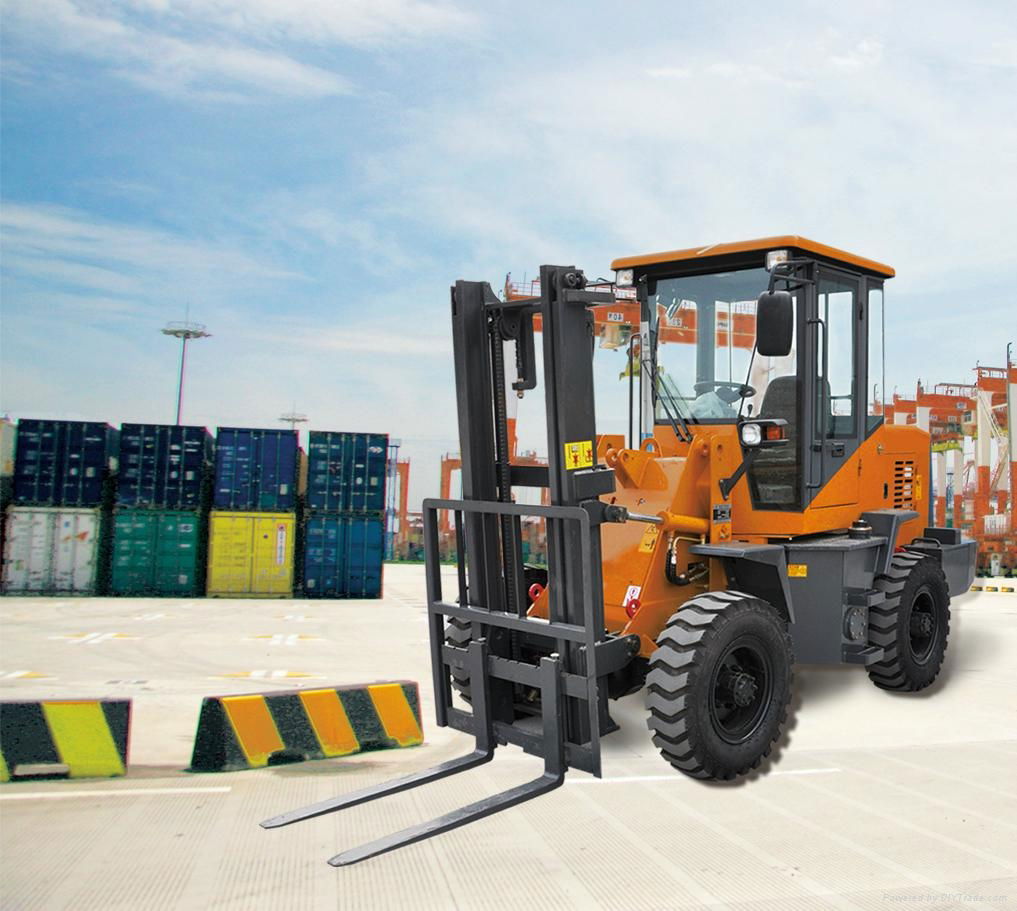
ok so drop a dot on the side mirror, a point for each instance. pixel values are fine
(775, 323)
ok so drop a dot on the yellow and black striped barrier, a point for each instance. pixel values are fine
(1008, 589)
(257, 730)
(76, 738)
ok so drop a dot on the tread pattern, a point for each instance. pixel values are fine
(673, 668)
(889, 673)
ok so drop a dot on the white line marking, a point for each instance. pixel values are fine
(677, 776)
(112, 792)
(803, 772)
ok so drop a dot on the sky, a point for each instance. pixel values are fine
(308, 177)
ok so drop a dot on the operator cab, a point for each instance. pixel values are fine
(701, 365)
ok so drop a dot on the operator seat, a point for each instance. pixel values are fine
(775, 471)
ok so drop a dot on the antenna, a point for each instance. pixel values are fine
(293, 417)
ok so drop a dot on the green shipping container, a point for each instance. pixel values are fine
(158, 552)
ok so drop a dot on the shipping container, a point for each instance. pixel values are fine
(52, 550)
(343, 556)
(255, 469)
(164, 465)
(251, 554)
(63, 463)
(8, 434)
(158, 552)
(346, 471)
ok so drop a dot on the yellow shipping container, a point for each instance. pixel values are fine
(251, 554)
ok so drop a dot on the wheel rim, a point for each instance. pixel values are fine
(740, 689)
(923, 625)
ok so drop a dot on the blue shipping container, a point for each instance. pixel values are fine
(164, 466)
(346, 471)
(255, 469)
(343, 556)
(63, 463)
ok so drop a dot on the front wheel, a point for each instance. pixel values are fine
(719, 685)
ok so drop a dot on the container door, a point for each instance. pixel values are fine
(74, 547)
(364, 555)
(313, 556)
(176, 556)
(230, 554)
(333, 556)
(273, 555)
(133, 552)
(25, 550)
(42, 536)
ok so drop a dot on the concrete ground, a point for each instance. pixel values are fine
(875, 801)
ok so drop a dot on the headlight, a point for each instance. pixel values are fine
(751, 435)
(775, 258)
(623, 278)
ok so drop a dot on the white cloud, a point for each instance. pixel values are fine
(320, 21)
(210, 70)
(35, 236)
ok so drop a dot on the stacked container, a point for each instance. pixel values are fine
(8, 436)
(162, 510)
(253, 522)
(344, 526)
(55, 539)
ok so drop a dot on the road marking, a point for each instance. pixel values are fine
(113, 792)
(677, 776)
(24, 675)
(283, 638)
(92, 638)
(803, 772)
(263, 674)
(126, 682)
(150, 617)
(296, 618)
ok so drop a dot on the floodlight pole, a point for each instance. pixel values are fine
(184, 331)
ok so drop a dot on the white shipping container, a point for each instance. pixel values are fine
(51, 549)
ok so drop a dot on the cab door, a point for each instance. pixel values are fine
(836, 322)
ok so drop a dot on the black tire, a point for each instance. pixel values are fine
(719, 685)
(912, 625)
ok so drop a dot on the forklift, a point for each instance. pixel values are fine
(759, 513)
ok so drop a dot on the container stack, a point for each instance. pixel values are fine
(344, 525)
(253, 521)
(55, 535)
(161, 515)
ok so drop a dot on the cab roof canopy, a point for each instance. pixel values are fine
(744, 251)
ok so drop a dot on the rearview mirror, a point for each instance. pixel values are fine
(775, 322)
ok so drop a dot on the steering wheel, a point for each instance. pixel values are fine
(726, 390)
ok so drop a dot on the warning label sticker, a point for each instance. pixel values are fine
(798, 570)
(649, 539)
(579, 455)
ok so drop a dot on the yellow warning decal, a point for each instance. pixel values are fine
(579, 455)
(649, 539)
(918, 487)
(798, 570)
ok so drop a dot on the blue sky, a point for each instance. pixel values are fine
(310, 176)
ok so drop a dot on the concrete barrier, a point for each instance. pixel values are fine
(73, 738)
(257, 730)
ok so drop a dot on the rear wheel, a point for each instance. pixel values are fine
(912, 625)
(719, 685)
